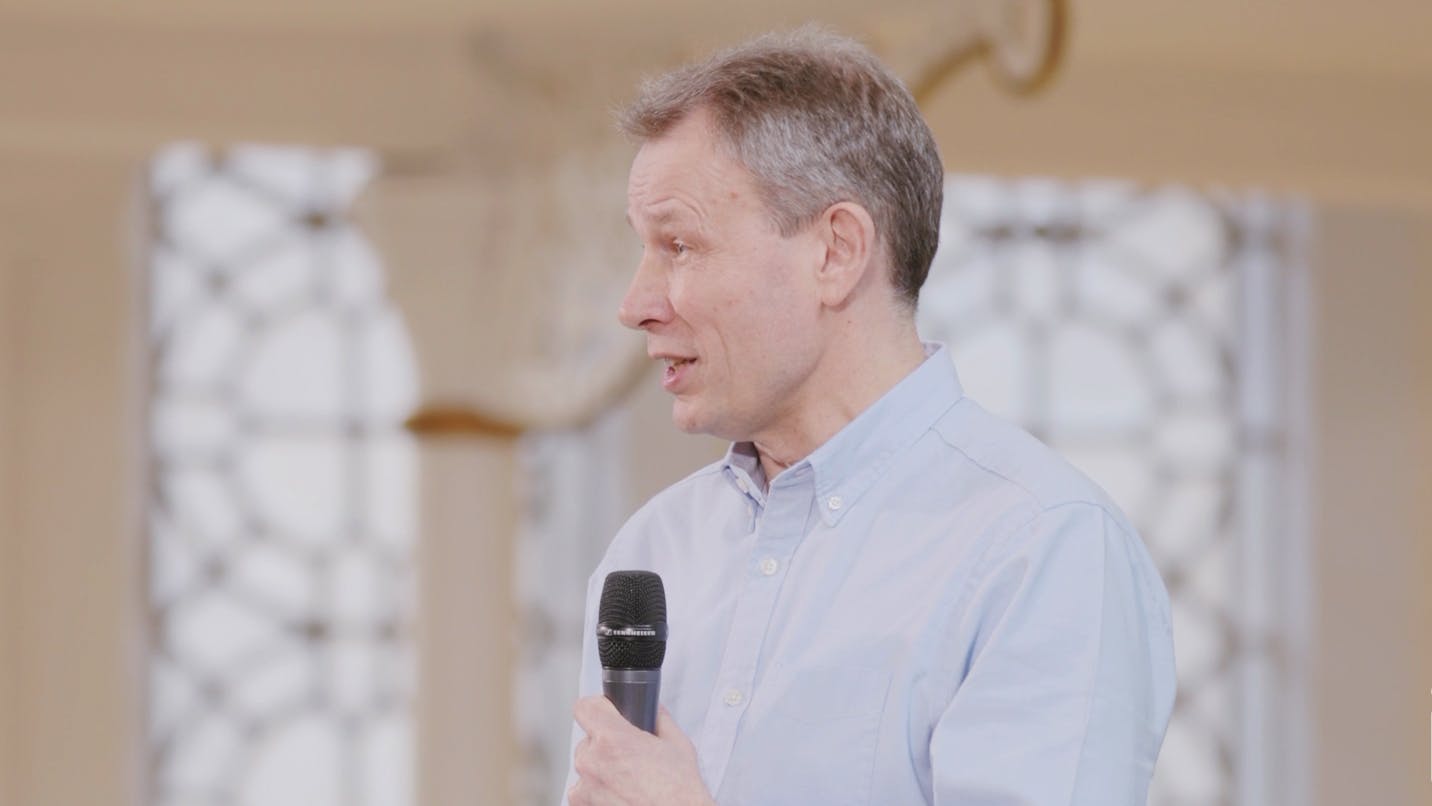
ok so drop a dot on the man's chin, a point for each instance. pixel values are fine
(685, 420)
(690, 419)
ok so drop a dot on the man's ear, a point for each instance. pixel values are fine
(849, 235)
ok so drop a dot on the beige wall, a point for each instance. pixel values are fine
(1339, 137)
(1372, 510)
(9, 547)
(70, 576)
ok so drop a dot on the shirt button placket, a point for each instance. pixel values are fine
(780, 529)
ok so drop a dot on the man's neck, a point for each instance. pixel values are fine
(848, 390)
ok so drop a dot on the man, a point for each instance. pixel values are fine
(883, 594)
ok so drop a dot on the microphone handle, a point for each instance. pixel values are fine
(634, 693)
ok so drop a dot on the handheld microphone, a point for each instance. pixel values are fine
(631, 641)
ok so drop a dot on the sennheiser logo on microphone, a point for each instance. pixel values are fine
(605, 631)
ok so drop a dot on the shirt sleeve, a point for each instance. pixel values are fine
(1068, 684)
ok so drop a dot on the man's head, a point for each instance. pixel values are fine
(787, 195)
(816, 119)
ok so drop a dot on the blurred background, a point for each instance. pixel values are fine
(315, 415)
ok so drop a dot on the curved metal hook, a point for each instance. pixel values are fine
(1023, 40)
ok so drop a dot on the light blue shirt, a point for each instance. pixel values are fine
(933, 607)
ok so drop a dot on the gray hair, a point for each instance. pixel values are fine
(817, 120)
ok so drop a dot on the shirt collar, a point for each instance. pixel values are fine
(743, 469)
(860, 453)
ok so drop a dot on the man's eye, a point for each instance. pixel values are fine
(679, 247)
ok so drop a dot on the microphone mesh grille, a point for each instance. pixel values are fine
(632, 598)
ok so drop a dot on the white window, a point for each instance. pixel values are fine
(281, 507)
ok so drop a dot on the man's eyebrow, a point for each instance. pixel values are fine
(664, 215)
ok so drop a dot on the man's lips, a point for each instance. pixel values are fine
(672, 359)
(676, 370)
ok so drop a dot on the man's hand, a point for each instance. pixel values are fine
(618, 764)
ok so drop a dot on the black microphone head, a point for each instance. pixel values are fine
(631, 621)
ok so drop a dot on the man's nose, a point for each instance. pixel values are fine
(646, 302)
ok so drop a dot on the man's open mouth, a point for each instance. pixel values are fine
(675, 371)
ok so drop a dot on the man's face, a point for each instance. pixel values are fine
(726, 301)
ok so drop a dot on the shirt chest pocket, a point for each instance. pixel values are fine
(812, 742)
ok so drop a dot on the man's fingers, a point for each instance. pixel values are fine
(668, 730)
(616, 763)
(596, 713)
(579, 756)
(666, 726)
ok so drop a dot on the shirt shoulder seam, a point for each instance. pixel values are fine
(985, 467)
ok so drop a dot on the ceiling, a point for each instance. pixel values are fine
(1327, 97)
(1384, 37)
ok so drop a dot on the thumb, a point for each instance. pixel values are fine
(667, 730)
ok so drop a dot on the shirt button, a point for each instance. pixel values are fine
(733, 697)
(741, 483)
(769, 566)
(834, 502)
